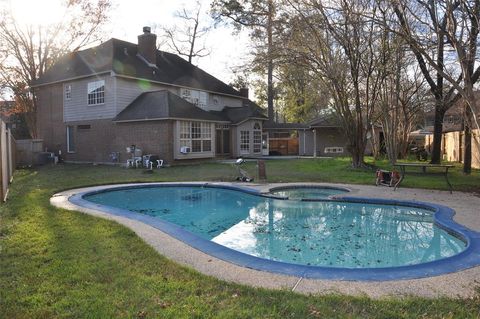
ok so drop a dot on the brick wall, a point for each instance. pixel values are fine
(96, 140)
(154, 137)
(50, 125)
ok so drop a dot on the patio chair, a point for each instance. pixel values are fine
(138, 161)
(154, 160)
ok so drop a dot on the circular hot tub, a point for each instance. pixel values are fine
(307, 192)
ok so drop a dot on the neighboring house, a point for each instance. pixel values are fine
(95, 103)
(453, 140)
(322, 136)
(327, 137)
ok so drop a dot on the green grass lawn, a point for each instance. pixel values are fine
(58, 263)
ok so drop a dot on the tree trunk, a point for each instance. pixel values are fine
(270, 62)
(357, 156)
(437, 134)
(467, 154)
(357, 150)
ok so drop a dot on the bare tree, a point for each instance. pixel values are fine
(28, 51)
(344, 49)
(462, 33)
(187, 38)
(261, 17)
(451, 28)
(400, 98)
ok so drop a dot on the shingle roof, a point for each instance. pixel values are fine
(162, 105)
(325, 121)
(121, 57)
(284, 126)
(236, 115)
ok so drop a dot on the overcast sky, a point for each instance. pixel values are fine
(227, 50)
(128, 17)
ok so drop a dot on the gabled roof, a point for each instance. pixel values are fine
(237, 115)
(163, 104)
(324, 121)
(121, 58)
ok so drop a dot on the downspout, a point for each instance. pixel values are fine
(314, 143)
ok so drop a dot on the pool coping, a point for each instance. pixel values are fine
(468, 258)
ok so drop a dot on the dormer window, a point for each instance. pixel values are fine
(186, 94)
(68, 91)
(199, 98)
(202, 100)
(96, 92)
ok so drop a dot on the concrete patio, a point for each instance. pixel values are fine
(459, 284)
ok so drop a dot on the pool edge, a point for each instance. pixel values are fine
(468, 258)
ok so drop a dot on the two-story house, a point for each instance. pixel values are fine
(96, 102)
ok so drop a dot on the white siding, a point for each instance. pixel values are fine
(119, 93)
(246, 126)
(77, 108)
(128, 90)
(222, 101)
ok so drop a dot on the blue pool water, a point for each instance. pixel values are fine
(307, 192)
(325, 233)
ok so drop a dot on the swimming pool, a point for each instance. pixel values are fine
(350, 239)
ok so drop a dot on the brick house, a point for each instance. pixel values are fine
(96, 102)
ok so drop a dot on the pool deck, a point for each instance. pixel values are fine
(461, 284)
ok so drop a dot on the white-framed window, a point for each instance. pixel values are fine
(244, 142)
(96, 92)
(202, 100)
(257, 138)
(257, 141)
(199, 98)
(70, 139)
(185, 94)
(222, 126)
(334, 149)
(68, 91)
(196, 135)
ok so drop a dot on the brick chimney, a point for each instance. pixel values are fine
(244, 92)
(147, 46)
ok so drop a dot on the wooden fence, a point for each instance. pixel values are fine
(28, 152)
(283, 146)
(453, 144)
(7, 159)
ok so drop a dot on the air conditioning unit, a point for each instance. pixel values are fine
(185, 150)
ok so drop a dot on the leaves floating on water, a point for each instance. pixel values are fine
(192, 197)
